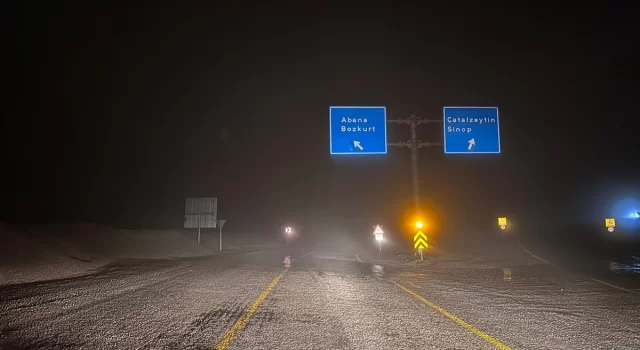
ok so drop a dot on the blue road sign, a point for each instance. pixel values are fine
(358, 130)
(471, 130)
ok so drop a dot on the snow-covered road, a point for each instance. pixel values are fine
(324, 300)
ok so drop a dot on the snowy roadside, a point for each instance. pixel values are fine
(63, 252)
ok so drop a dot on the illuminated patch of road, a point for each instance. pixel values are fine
(242, 321)
(461, 322)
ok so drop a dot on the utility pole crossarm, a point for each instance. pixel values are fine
(409, 144)
(400, 144)
(417, 121)
(429, 144)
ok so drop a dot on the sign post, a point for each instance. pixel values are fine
(288, 231)
(204, 210)
(471, 130)
(414, 144)
(220, 223)
(357, 130)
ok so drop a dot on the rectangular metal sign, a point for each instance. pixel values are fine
(206, 209)
(420, 240)
(471, 130)
(357, 130)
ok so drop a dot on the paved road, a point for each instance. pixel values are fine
(326, 299)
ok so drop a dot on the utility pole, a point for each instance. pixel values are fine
(414, 144)
(414, 162)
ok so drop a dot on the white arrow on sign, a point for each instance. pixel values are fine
(472, 143)
(357, 144)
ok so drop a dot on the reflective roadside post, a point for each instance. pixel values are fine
(379, 239)
(287, 234)
(379, 233)
(610, 224)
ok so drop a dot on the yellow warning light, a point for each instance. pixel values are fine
(419, 224)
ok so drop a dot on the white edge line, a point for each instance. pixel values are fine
(309, 253)
(537, 257)
(589, 277)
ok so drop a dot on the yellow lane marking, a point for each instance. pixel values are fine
(358, 258)
(242, 321)
(413, 274)
(589, 277)
(413, 285)
(307, 254)
(464, 324)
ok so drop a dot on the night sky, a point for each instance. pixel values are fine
(123, 111)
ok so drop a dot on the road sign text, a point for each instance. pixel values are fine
(471, 130)
(358, 130)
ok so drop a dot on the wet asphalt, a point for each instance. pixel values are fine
(314, 297)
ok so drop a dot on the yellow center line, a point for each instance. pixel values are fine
(464, 324)
(413, 285)
(413, 274)
(242, 321)
(358, 258)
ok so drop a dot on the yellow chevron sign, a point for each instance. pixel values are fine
(420, 240)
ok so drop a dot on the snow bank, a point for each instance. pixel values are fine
(88, 242)
(25, 259)
(63, 251)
